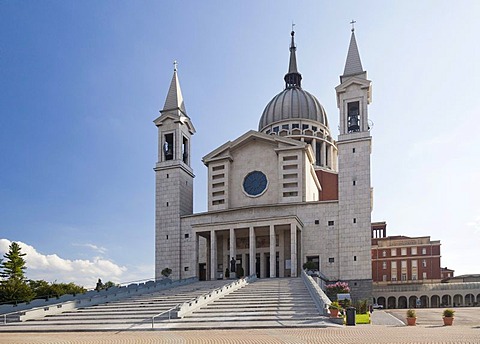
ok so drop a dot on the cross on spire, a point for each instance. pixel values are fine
(293, 24)
(175, 65)
(353, 24)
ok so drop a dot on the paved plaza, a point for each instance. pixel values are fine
(370, 334)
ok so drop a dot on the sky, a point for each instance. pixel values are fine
(82, 81)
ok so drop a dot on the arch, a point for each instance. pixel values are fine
(425, 301)
(469, 300)
(457, 300)
(478, 299)
(402, 302)
(381, 301)
(446, 301)
(412, 301)
(392, 302)
(435, 301)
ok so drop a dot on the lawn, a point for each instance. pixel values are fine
(362, 319)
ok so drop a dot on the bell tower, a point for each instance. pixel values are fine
(355, 193)
(173, 180)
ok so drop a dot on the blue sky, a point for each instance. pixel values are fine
(82, 81)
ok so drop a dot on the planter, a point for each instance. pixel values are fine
(411, 321)
(334, 313)
(448, 321)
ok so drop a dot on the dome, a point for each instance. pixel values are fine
(293, 103)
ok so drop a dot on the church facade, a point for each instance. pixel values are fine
(279, 196)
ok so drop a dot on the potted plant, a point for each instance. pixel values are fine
(334, 308)
(411, 317)
(448, 317)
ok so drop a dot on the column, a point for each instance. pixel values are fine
(195, 257)
(293, 250)
(244, 263)
(281, 253)
(213, 255)
(251, 249)
(272, 252)
(233, 250)
(262, 265)
(208, 259)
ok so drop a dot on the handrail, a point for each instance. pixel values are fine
(167, 311)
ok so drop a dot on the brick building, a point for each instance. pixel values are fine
(404, 260)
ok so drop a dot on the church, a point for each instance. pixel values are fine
(278, 197)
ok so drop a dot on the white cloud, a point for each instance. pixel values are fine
(99, 249)
(51, 267)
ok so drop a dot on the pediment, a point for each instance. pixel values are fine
(277, 142)
(352, 81)
(176, 116)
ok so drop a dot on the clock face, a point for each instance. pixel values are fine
(255, 183)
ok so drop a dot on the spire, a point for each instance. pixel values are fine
(174, 99)
(353, 66)
(293, 78)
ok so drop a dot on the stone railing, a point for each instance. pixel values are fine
(318, 295)
(40, 307)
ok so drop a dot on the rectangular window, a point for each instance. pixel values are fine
(304, 126)
(354, 182)
(384, 265)
(424, 263)
(217, 202)
(384, 279)
(295, 126)
(290, 194)
(315, 260)
(393, 252)
(218, 185)
(290, 185)
(353, 150)
(394, 265)
(404, 277)
(424, 250)
(331, 223)
(384, 253)
(187, 235)
(290, 167)
(185, 268)
(424, 275)
(354, 258)
(276, 129)
(413, 250)
(414, 263)
(404, 251)
(404, 264)
(331, 260)
(354, 220)
(394, 278)
(218, 193)
(285, 126)
(218, 176)
(290, 158)
(290, 176)
(414, 276)
(218, 168)
(314, 128)
(317, 222)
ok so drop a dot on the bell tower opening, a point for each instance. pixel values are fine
(168, 147)
(353, 117)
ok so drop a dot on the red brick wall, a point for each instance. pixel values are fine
(329, 183)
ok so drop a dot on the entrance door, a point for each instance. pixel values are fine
(267, 262)
(257, 265)
(202, 272)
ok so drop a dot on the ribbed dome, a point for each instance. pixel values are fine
(292, 103)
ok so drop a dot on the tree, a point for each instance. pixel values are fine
(14, 266)
(13, 287)
(166, 272)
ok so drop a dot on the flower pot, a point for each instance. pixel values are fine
(448, 321)
(333, 313)
(411, 321)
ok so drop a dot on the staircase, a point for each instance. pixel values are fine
(266, 303)
(128, 313)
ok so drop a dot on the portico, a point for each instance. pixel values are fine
(268, 248)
